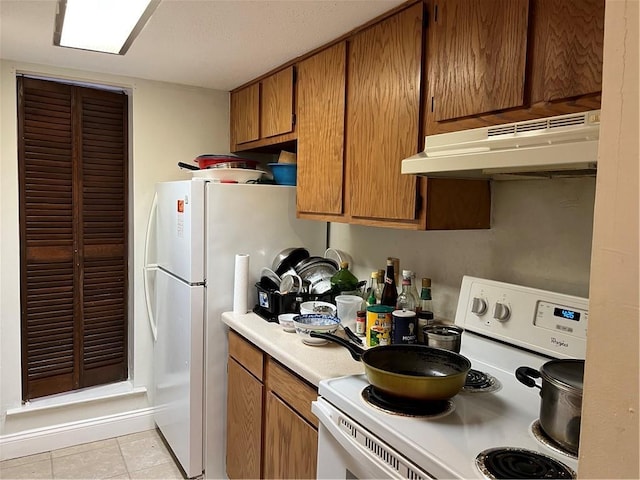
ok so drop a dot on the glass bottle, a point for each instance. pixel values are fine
(343, 280)
(380, 286)
(406, 300)
(416, 290)
(371, 298)
(390, 292)
(425, 317)
(396, 273)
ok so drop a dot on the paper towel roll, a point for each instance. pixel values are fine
(241, 284)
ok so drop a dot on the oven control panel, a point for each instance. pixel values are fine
(546, 322)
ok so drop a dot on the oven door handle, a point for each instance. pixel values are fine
(376, 466)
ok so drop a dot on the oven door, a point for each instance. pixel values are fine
(347, 450)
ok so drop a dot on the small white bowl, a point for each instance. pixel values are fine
(315, 322)
(326, 308)
(286, 321)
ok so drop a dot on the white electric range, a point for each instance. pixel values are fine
(359, 440)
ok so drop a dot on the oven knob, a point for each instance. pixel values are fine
(479, 306)
(501, 312)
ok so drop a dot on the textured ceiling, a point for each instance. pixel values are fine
(218, 44)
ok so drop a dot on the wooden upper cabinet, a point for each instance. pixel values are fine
(245, 114)
(262, 113)
(276, 102)
(321, 113)
(567, 41)
(477, 55)
(499, 61)
(383, 111)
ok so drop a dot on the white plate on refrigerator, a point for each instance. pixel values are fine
(239, 175)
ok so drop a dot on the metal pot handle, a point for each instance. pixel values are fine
(355, 351)
(527, 376)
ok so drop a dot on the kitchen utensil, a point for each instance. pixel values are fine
(217, 161)
(347, 308)
(561, 398)
(237, 175)
(284, 173)
(188, 166)
(338, 256)
(352, 336)
(417, 372)
(291, 283)
(315, 323)
(318, 272)
(286, 321)
(448, 337)
(269, 279)
(288, 258)
(307, 308)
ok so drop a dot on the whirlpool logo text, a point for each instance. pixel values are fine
(559, 343)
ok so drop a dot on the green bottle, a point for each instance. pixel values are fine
(343, 280)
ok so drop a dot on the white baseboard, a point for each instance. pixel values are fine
(75, 433)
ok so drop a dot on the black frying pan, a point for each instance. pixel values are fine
(417, 372)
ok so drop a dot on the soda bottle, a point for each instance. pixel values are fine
(343, 280)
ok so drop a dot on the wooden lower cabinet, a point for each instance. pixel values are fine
(244, 422)
(290, 443)
(271, 432)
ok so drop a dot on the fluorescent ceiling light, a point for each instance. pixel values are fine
(108, 26)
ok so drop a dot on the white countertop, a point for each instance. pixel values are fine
(313, 363)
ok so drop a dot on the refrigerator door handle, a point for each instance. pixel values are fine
(150, 267)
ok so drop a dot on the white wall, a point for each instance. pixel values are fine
(610, 432)
(169, 123)
(540, 237)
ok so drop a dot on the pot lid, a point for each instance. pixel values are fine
(567, 374)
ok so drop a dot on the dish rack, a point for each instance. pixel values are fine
(272, 303)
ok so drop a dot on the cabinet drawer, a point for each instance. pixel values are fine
(294, 391)
(246, 354)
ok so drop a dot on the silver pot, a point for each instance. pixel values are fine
(448, 337)
(561, 399)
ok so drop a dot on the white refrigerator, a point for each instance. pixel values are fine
(200, 227)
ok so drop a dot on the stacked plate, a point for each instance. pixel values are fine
(315, 272)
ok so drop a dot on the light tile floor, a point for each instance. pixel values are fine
(139, 455)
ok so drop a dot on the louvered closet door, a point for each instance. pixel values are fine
(103, 207)
(72, 169)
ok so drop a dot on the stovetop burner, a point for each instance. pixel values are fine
(547, 441)
(506, 462)
(478, 381)
(406, 407)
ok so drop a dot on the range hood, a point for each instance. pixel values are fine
(561, 146)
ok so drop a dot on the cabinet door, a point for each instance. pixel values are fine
(320, 124)
(245, 115)
(244, 423)
(567, 41)
(383, 103)
(276, 101)
(290, 443)
(477, 53)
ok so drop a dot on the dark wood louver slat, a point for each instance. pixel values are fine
(73, 227)
(104, 229)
